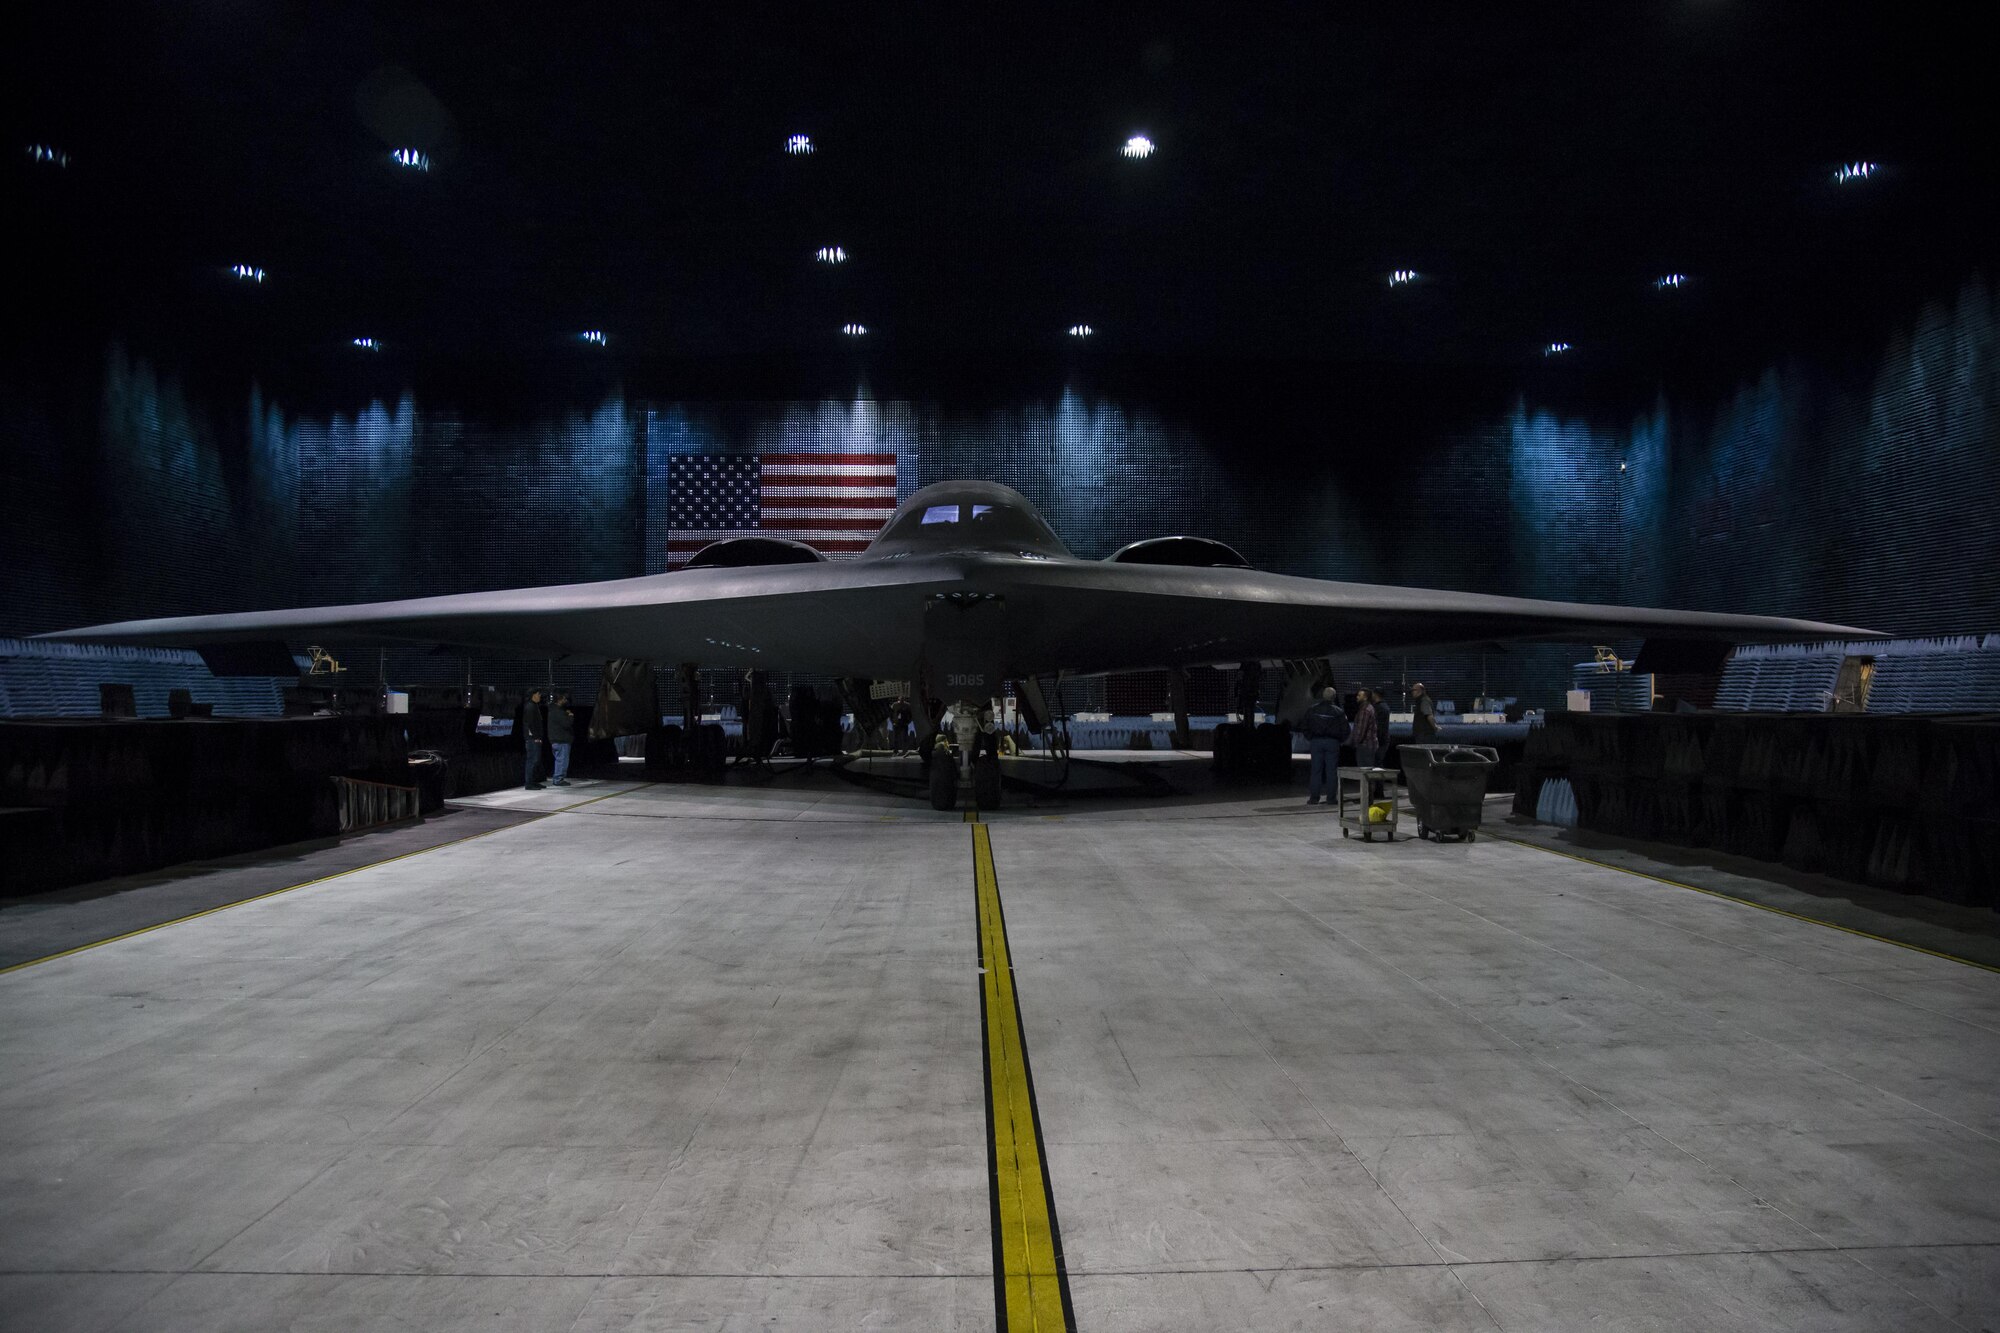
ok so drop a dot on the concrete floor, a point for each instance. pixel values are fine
(687, 1058)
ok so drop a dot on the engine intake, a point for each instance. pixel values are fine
(743, 552)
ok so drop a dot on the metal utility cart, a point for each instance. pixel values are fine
(1361, 788)
(1448, 787)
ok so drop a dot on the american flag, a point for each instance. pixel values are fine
(834, 502)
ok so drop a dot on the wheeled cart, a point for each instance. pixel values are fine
(1361, 788)
(1448, 787)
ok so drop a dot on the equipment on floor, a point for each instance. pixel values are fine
(1367, 802)
(1448, 787)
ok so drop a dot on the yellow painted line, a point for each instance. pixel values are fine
(565, 809)
(256, 898)
(1030, 1283)
(1747, 902)
(971, 817)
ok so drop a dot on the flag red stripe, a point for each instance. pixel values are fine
(827, 501)
(886, 461)
(679, 551)
(808, 523)
(858, 480)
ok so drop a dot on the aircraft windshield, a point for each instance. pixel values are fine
(996, 519)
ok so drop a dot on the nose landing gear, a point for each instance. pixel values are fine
(970, 758)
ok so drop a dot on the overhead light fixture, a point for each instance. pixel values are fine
(1668, 281)
(413, 158)
(1080, 330)
(247, 272)
(1401, 276)
(595, 337)
(854, 330)
(799, 145)
(47, 156)
(1555, 349)
(367, 344)
(1138, 146)
(832, 254)
(1854, 171)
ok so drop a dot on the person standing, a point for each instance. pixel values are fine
(1423, 715)
(562, 734)
(901, 720)
(1382, 742)
(1366, 747)
(1325, 727)
(533, 732)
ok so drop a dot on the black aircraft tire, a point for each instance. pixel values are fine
(944, 782)
(986, 782)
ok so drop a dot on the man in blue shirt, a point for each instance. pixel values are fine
(1325, 727)
(562, 734)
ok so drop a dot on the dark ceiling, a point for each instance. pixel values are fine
(628, 174)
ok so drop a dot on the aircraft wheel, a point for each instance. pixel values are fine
(944, 782)
(986, 782)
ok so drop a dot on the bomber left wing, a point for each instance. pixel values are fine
(850, 617)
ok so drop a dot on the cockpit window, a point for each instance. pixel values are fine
(968, 516)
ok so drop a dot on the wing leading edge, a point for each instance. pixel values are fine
(866, 617)
(1105, 617)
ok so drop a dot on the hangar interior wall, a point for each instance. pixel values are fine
(1859, 492)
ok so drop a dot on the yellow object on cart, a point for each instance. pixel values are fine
(1378, 813)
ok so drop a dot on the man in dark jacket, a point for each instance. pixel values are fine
(1366, 746)
(562, 733)
(533, 733)
(1381, 706)
(1423, 715)
(1325, 727)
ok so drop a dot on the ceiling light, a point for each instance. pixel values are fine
(595, 337)
(1080, 330)
(1669, 281)
(1401, 276)
(368, 344)
(247, 272)
(54, 157)
(832, 254)
(799, 145)
(1854, 171)
(1555, 349)
(414, 159)
(854, 330)
(1138, 146)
